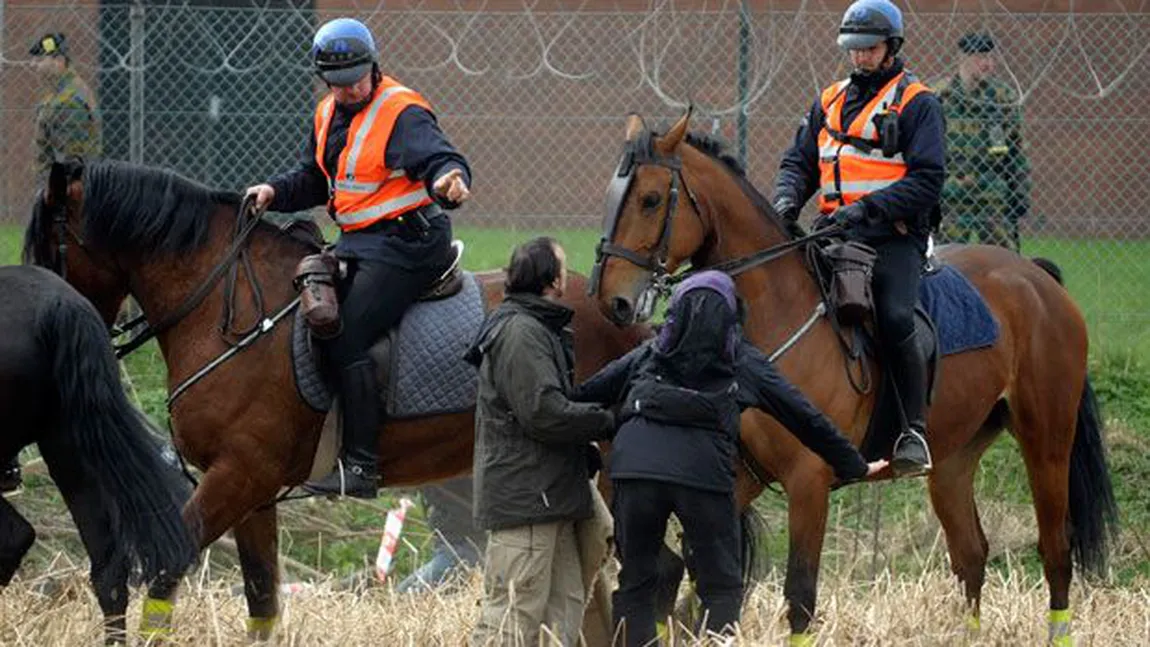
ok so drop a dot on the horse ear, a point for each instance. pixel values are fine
(635, 127)
(58, 177)
(667, 143)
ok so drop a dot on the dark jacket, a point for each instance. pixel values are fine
(530, 439)
(922, 141)
(682, 448)
(417, 145)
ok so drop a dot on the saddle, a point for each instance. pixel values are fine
(317, 276)
(844, 270)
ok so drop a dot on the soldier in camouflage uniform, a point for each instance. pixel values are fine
(987, 187)
(67, 119)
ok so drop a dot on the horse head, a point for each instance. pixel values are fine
(674, 198)
(650, 226)
(55, 239)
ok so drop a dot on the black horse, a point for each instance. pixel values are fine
(60, 388)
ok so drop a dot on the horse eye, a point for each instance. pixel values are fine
(651, 200)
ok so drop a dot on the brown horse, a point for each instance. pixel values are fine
(114, 229)
(677, 197)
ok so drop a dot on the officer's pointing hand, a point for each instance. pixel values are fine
(451, 186)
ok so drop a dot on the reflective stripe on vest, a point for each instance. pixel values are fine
(363, 189)
(848, 172)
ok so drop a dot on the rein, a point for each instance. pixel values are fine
(237, 249)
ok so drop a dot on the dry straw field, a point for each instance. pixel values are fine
(924, 610)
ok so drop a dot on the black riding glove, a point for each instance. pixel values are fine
(786, 208)
(850, 215)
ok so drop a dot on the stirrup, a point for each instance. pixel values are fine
(902, 467)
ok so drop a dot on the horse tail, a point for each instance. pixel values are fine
(1093, 513)
(113, 445)
(1050, 267)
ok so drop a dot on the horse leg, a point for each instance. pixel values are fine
(16, 538)
(228, 492)
(951, 485)
(110, 568)
(257, 542)
(1045, 435)
(807, 518)
(90, 512)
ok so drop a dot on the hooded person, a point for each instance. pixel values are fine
(681, 395)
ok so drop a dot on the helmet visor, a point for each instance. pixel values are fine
(346, 76)
(859, 41)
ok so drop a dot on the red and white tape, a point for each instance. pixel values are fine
(390, 540)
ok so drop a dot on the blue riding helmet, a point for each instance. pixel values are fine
(343, 51)
(867, 23)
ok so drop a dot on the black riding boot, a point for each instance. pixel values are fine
(357, 474)
(909, 370)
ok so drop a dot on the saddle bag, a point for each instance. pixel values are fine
(315, 280)
(852, 266)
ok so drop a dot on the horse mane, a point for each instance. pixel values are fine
(153, 211)
(717, 149)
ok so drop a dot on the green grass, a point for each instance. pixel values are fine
(1104, 277)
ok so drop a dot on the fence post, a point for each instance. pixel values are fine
(744, 54)
(136, 85)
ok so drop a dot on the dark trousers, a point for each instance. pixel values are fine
(711, 528)
(372, 300)
(897, 272)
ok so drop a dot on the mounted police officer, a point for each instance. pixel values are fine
(872, 147)
(67, 119)
(379, 161)
(987, 186)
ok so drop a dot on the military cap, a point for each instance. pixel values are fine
(52, 44)
(976, 42)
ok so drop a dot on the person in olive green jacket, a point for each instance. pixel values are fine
(987, 189)
(532, 445)
(67, 118)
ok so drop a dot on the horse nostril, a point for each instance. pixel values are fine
(622, 310)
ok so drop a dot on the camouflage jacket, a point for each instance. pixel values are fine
(67, 122)
(984, 156)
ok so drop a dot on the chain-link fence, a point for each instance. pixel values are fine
(536, 98)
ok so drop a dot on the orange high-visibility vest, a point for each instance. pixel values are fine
(850, 169)
(364, 191)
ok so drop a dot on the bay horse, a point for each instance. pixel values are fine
(114, 228)
(677, 197)
(60, 389)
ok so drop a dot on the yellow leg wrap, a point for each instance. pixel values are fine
(661, 631)
(156, 618)
(1058, 621)
(800, 640)
(973, 623)
(261, 628)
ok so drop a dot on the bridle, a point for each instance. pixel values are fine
(640, 152)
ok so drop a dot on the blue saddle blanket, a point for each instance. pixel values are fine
(958, 311)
